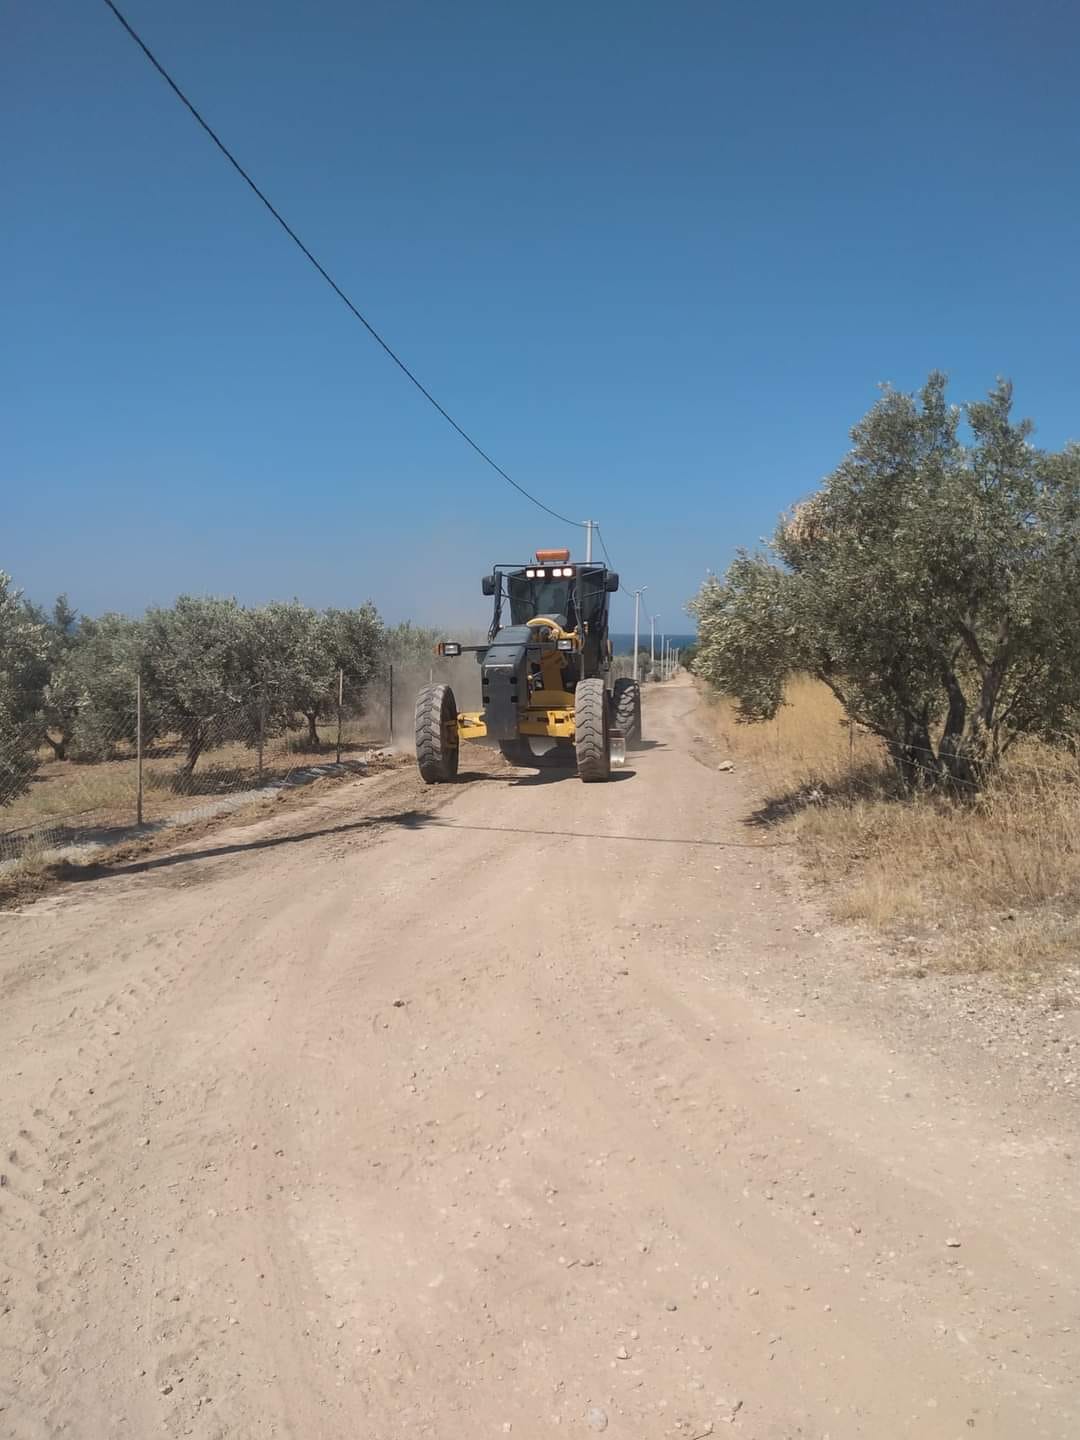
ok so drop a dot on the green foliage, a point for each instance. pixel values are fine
(193, 662)
(931, 582)
(90, 697)
(24, 651)
(356, 639)
(409, 646)
(211, 670)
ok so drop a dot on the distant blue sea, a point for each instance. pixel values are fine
(624, 644)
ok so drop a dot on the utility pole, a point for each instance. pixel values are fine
(138, 751)
(652, 646)
(637, 608)
(663, 656)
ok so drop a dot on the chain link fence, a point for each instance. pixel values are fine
(126, 771)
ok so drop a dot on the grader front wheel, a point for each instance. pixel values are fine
(437, 747)
(592, 734)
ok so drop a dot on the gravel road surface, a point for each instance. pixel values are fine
(519, 1107)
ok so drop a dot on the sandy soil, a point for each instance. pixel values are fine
(524, 1107)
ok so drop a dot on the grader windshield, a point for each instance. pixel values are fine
(532, 597)
(536, 594)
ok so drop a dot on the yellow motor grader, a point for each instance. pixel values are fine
(544, 676)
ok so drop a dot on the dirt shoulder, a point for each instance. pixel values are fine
(1010, 1030)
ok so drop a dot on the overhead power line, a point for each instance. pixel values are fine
(338, 291)
(600, 536)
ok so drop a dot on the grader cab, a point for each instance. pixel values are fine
(544, 674)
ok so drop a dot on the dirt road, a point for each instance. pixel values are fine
(522, 1107)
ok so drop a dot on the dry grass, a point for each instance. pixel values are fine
(989, 884)
(72, 797)
(38, 868)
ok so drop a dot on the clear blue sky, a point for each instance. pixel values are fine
(655, 257)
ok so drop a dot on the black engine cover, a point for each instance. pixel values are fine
(504, 680)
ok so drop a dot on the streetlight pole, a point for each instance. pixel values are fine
(637, 610)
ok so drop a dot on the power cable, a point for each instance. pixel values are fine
(338, 291)
(607, 557)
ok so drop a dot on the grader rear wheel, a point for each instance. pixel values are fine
(437, 747)
(626, 703)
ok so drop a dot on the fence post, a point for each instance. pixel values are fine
(340, 696)
(138, 751)
(262, 731)
(391, 704)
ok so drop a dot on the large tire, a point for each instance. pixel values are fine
(626, 706)
(592, 739)
(437, 748)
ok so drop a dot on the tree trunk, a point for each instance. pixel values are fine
(982, 740)
(195, 738)
(954, 751)
(913, 754)
(59, 747)
(313, 735)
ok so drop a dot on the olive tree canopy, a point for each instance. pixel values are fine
(932, 582)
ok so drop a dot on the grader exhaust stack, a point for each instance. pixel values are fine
(544, 675)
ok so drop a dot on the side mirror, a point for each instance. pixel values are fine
(611, 583)
(487, 584)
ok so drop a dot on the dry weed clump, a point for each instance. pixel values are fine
(989, 883)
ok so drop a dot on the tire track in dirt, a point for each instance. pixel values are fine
(73, 1222)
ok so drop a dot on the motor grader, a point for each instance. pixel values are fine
(544, 672)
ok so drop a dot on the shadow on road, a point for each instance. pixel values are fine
(406, 819)
(437, 821)
(403, 820)
(551, 775)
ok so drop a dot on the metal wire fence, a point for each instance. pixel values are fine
(128, 770)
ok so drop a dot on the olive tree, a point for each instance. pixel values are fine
(293, 655)
(90, 698)
(24, 651)
(355, 639)
(932, 583)
(194, 668)
(55, 704)
(288, 665)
